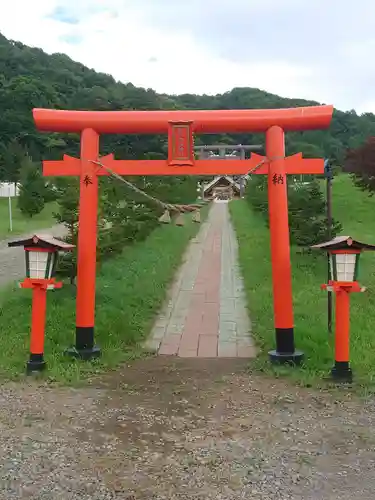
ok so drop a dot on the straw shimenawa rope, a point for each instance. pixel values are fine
(168, 207)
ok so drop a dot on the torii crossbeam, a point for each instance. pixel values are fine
(181, 127)
(294, 164)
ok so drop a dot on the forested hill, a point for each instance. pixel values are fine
(30, 78)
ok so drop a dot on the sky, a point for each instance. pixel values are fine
(320, 50)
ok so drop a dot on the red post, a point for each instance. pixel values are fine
(280, 249)
(342, 327)
(39, 287)
(86, 251)
(38, 321)
(341, 370)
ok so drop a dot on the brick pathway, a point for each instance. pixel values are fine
(206, 314)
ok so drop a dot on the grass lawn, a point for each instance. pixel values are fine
(355, 210)
(22, 224)
(130, 290)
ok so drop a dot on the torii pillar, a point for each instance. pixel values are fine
(180, 127)
(280, 249)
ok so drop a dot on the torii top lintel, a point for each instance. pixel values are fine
(203, 122)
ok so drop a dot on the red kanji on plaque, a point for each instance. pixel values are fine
(180, 143)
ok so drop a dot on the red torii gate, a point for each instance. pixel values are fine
(180, 127)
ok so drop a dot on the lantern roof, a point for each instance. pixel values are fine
(42, 241)
(344, 243)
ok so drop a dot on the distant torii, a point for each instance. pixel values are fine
(205, 151)
(226, 151)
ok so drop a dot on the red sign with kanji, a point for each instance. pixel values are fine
(180, 144)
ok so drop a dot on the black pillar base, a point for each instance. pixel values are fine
(85, 354)
(285, 352)
(84, 348)
(342, 373)
(36, 364)
(286, 358)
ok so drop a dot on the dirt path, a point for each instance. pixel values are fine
(12, 260)
(174, 428)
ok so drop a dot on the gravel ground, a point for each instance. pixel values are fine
(169, 428)
(12, 260)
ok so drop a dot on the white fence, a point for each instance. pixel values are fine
(8, 189)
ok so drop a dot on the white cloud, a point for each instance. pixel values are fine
(118, 37)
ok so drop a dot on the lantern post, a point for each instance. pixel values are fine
(344, 253)
(41, 254)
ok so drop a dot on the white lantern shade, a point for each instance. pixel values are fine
(39, 264)
(343, 266)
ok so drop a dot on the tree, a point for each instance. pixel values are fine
(307, 210)
(257, 193)
(13, 155)
(32, 188)
(67, 195)
(307, 215)
(360, 163)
